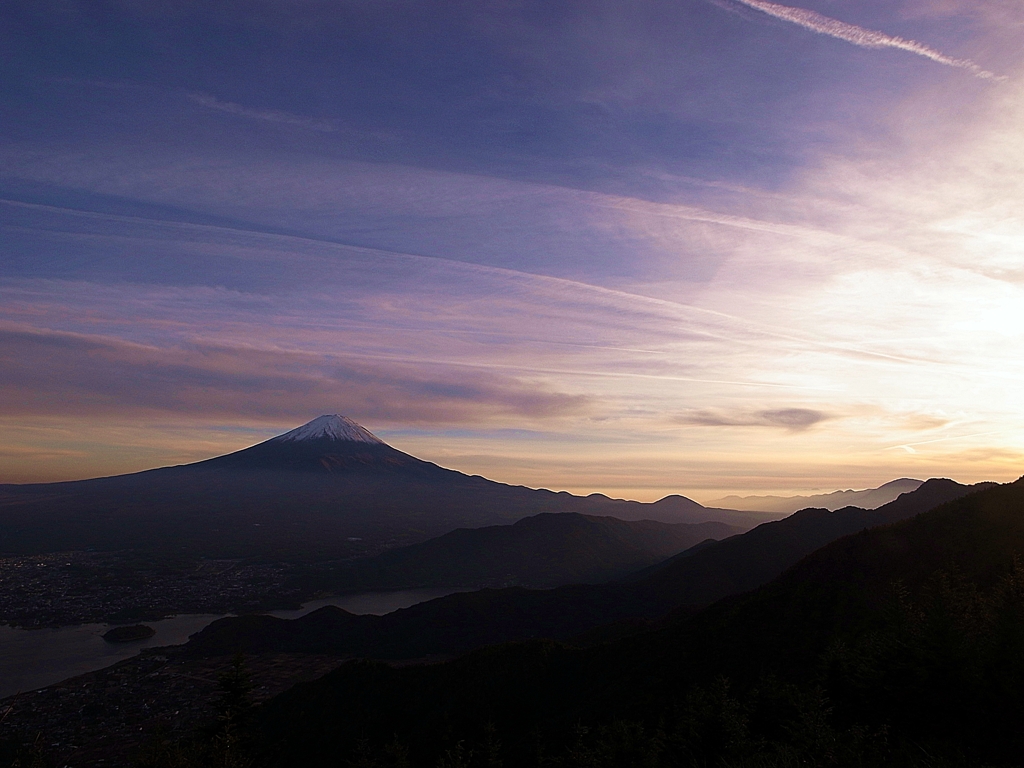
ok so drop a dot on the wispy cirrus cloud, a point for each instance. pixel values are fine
(529, 249)
(266, 115)
(864, 38)
(48, 372)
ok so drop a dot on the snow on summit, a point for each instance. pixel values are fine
(333, 427)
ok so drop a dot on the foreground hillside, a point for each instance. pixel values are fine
(328, 489)
(900, 645)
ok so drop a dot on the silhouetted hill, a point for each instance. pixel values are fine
(743, 563)
(900, 645)
(542, 551)
(679, 509)
(457, 623)
(842, 588)
(304, 494)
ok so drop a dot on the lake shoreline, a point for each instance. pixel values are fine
(37, 657)
(271, 607)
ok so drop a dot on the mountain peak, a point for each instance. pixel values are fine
(330, 427)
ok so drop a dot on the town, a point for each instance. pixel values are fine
(66, 588)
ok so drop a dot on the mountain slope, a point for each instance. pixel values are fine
(838, 588)
(304, 494)
(542, 551)
(743, 563)
(460, 622)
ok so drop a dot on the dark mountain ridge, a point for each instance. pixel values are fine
(543, 551)
(745, 562)
(460, 622)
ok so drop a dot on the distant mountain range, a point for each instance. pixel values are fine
(457, 623)
(871, 498)
(325, 490)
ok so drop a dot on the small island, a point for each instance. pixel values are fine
(127, 634)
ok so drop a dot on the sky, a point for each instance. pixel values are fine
(647, 247)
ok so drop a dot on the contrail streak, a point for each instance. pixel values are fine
(865, 38)
(909, 447)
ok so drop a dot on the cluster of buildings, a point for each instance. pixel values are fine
(68, 588)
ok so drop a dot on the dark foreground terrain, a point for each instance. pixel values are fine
(114, 716)
(901, 644)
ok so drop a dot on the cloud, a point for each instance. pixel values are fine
(792, 419)
(266, 115)
(864, 38)
(53, 373)
(22, 452)
(920, 422)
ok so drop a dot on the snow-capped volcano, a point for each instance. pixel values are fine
(306, 492)
(330, 427)
(332, 444)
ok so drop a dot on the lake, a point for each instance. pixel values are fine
(35, 658)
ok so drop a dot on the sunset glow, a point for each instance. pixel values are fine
(698, 248)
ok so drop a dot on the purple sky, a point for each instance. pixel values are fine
(701, 246)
